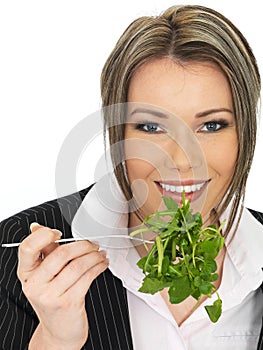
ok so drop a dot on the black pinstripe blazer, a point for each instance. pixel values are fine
(106, 301)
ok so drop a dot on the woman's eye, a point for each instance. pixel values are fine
(213, 126)
(151, 128)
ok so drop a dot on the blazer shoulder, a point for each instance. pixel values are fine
(56, 213)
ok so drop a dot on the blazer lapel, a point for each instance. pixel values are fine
(260, 341)
(259, 217)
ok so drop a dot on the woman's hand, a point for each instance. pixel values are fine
(55, 279)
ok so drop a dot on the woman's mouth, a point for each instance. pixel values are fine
(192, 189)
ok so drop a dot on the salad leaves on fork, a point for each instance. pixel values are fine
(182, 258)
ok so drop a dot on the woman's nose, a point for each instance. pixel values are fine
(178, 159)
(185, 154)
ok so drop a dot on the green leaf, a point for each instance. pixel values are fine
(183, 242)
(187, 226)
(209, 247)
(197, 281)
(175, 270)
(213, 277)
(141, 262)
(206, 288)
(214, 311)
(198, 219)
(153, 285)
(157, 223)
(170, 203)
(210, 266)
(196, 294)
(180, 290)
(147, 263)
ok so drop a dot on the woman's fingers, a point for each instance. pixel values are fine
(48, 249)
(71, 274)
(30, 249)
(65, 269)
(81, 287)
(35, 226)
(63, 255)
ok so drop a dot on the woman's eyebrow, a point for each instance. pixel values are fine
(212, 111)
(161, 114)
(156, 113)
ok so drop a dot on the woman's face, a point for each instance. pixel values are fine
(188, 142)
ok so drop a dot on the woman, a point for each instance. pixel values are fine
(184, 88)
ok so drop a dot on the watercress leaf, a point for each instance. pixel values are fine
(219, 242)
(209, 266)
(150, 264)
(196, 294)
(183, 242)
(153, 285)
(175, 270)
(212, 254)
(189, 217)
(207, 246)
(157, 223)
(167, 232)
(187, 226)
(195, 271)
(213, 277)
(205, 276)
(206, 288)
(214, 311)
(170, 203)
(198, 219)
(180, 290)
(197, 281)
(141, 262)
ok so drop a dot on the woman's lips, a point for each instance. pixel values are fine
(174, 189)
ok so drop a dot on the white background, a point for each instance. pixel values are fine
(52, 53)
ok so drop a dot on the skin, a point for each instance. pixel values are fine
(191, 96)
(56, 286)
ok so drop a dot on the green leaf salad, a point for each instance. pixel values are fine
(183, 255)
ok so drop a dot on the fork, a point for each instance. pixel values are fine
(65, 240)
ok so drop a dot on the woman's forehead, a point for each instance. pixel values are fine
(179, 89)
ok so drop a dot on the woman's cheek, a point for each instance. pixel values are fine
(141, 175)
(138, 169)
(221, 154)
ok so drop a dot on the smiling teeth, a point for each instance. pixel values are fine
(180, 189)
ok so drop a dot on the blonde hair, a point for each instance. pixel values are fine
(187, 34)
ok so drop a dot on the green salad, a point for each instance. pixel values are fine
(183, 255)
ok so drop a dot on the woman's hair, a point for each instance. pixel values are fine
(187, 34)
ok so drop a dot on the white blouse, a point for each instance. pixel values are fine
(104, 211)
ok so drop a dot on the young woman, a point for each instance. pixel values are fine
(184, 90)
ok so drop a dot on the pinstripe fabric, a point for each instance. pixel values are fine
(106, 301)
(259, 217)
